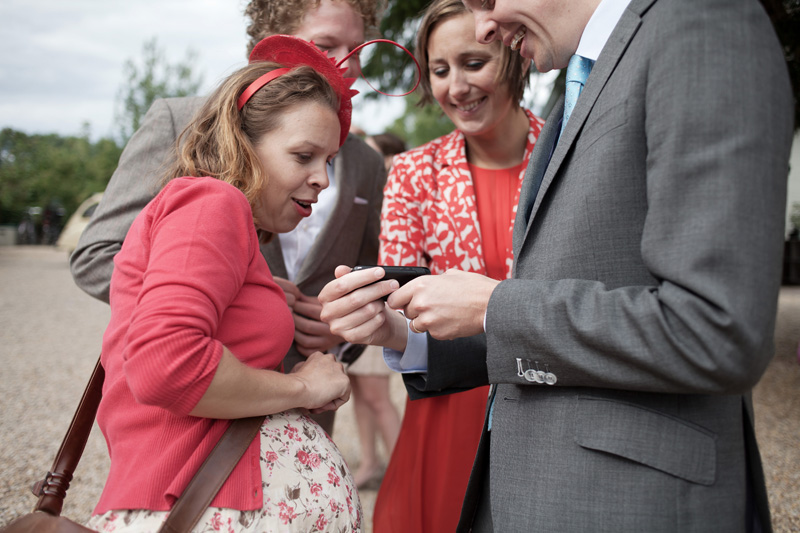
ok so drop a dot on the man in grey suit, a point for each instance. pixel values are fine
(647, 247)
(344, 226)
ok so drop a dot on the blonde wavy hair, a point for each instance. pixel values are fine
(271, 17)
(220, 140)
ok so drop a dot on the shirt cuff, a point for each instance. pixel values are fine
(414, 360)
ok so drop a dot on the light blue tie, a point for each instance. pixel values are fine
(577, 71)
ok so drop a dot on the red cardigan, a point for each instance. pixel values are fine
(188, 280)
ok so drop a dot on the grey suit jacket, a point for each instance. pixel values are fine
(350, 235)
(646, 280)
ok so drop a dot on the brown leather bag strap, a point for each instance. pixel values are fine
(212, 474)
(195, 498)
(53, 488)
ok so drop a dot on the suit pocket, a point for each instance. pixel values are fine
(647, 437)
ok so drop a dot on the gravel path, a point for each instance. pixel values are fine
(50, 335)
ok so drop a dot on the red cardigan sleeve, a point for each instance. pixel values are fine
(200, 239)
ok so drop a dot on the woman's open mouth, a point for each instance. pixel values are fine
(303, 207)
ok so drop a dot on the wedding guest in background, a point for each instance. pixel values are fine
(345, 222)
(387, 144)
(199, 328)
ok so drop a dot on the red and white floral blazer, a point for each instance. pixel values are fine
(429, 216)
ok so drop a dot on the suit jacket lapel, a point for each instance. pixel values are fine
(274, 254)
(609, 58)
(537, 166)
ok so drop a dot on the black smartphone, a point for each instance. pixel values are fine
(403, 274)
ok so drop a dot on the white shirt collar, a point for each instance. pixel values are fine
(599, 28)
(296, 244)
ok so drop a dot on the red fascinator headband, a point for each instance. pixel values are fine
(292, 52)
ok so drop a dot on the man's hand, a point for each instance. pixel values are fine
(310, 333)
(448, 306)
(289, 289)
(352, 306)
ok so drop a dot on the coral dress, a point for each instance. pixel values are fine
(442, 212)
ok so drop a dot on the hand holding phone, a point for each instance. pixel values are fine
(351, 305)
(403, 274)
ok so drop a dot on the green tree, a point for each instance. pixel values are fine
(154, 78)
(40, 170)
(386, 65)
(419, 125)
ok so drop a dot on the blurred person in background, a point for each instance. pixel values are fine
(387, 144)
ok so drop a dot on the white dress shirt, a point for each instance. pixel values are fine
(296, 244)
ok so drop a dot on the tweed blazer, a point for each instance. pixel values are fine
(646, 276)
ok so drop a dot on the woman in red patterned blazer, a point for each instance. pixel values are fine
(451, 203)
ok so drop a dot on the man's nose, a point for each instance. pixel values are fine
(485, 28)
(353, 64)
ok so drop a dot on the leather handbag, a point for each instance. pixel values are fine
(188, 509)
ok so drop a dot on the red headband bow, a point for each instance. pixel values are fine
(292, 52)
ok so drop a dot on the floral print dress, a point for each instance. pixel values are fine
(306, 483)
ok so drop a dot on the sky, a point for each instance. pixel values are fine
(62, 61)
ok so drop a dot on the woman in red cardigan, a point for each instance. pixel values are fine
(199, 328)
(450, 203)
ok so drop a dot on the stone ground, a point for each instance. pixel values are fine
(50, 335)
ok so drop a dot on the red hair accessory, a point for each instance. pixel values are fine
(292, 52)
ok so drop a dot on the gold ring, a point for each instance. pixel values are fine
(413, 328)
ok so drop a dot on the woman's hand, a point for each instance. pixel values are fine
(325, 383)
(238, 390)
(352, 307)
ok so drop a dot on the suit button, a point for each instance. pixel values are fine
(550, 378)
(533, 376)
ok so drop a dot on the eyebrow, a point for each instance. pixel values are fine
(477, 53)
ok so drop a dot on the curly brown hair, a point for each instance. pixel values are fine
(270, 17)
